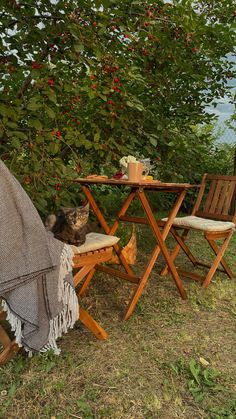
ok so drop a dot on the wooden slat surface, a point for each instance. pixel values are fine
(218, 201)
(219, 217)
(210, 197)
(222, 197)
(228, 199)
(96, 256)
(155, 184)
(220, 177)
(216, 197)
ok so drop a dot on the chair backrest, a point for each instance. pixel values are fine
(216, 204)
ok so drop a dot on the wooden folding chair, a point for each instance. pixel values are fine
(84, 263)
(213, 215)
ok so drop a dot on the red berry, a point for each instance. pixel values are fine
(78, 168)
(5, 156)
(57, 186)
(94, 24)
(51, 82)
(92, 77)
(27, 180)
(118, 175)
(58, 134)
(36, 66)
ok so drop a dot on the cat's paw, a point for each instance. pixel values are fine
(74, 249)
(50, 222)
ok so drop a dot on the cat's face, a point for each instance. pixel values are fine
(77, 217)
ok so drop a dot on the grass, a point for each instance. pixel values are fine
(173, 358)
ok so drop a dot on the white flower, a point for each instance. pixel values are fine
(127, 159)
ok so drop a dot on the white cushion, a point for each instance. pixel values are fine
(202, 223)
(95, 241)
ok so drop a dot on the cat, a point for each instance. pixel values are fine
(70, 225)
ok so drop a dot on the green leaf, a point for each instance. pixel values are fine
(153, 140)
(50, 112)
(97, 136)
(4, 110)
(195, 370)
(79, 47)
(52, 96)
(98, 53)
(33, 105)
(54, 148)
(20, 135)
(11, 124)
(15, 142)
(35, 123)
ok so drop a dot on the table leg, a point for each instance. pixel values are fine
(161, 247)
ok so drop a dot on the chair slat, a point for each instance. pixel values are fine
(223, 197)
(218, 217)
(210, 196)
(216, 197)
(227, 203)
(222, 177)
(200, 194)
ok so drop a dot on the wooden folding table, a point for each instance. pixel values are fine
(137, 190)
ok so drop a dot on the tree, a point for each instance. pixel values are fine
(86, 82)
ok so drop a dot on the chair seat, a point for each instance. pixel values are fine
(95, 241)
(203, 224)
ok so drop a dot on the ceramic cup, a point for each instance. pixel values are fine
(135, 171)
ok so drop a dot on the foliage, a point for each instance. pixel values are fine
(86, 82)
(208, 155)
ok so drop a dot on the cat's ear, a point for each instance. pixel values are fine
(66, 210)
(86, 207)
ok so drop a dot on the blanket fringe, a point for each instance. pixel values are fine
(15, 322)
(66, 262)
(65, 319)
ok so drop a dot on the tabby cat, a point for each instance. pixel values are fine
(70, 225)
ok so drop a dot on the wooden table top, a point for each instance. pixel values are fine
(146, 184)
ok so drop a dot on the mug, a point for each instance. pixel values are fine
(135, 171)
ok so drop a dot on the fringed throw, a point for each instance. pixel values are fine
(36, 281)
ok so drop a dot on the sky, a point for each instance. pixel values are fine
(224, 110)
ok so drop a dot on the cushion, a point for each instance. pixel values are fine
(95, 241)
(203, 224)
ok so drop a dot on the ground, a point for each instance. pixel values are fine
(172, 358)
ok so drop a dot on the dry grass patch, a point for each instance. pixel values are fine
(172, 359)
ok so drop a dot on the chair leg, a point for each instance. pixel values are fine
(92, 325)
(86, 282)
(82, 273)
(225, 266)
(10, 347)
(217, 260)
(180, 245)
